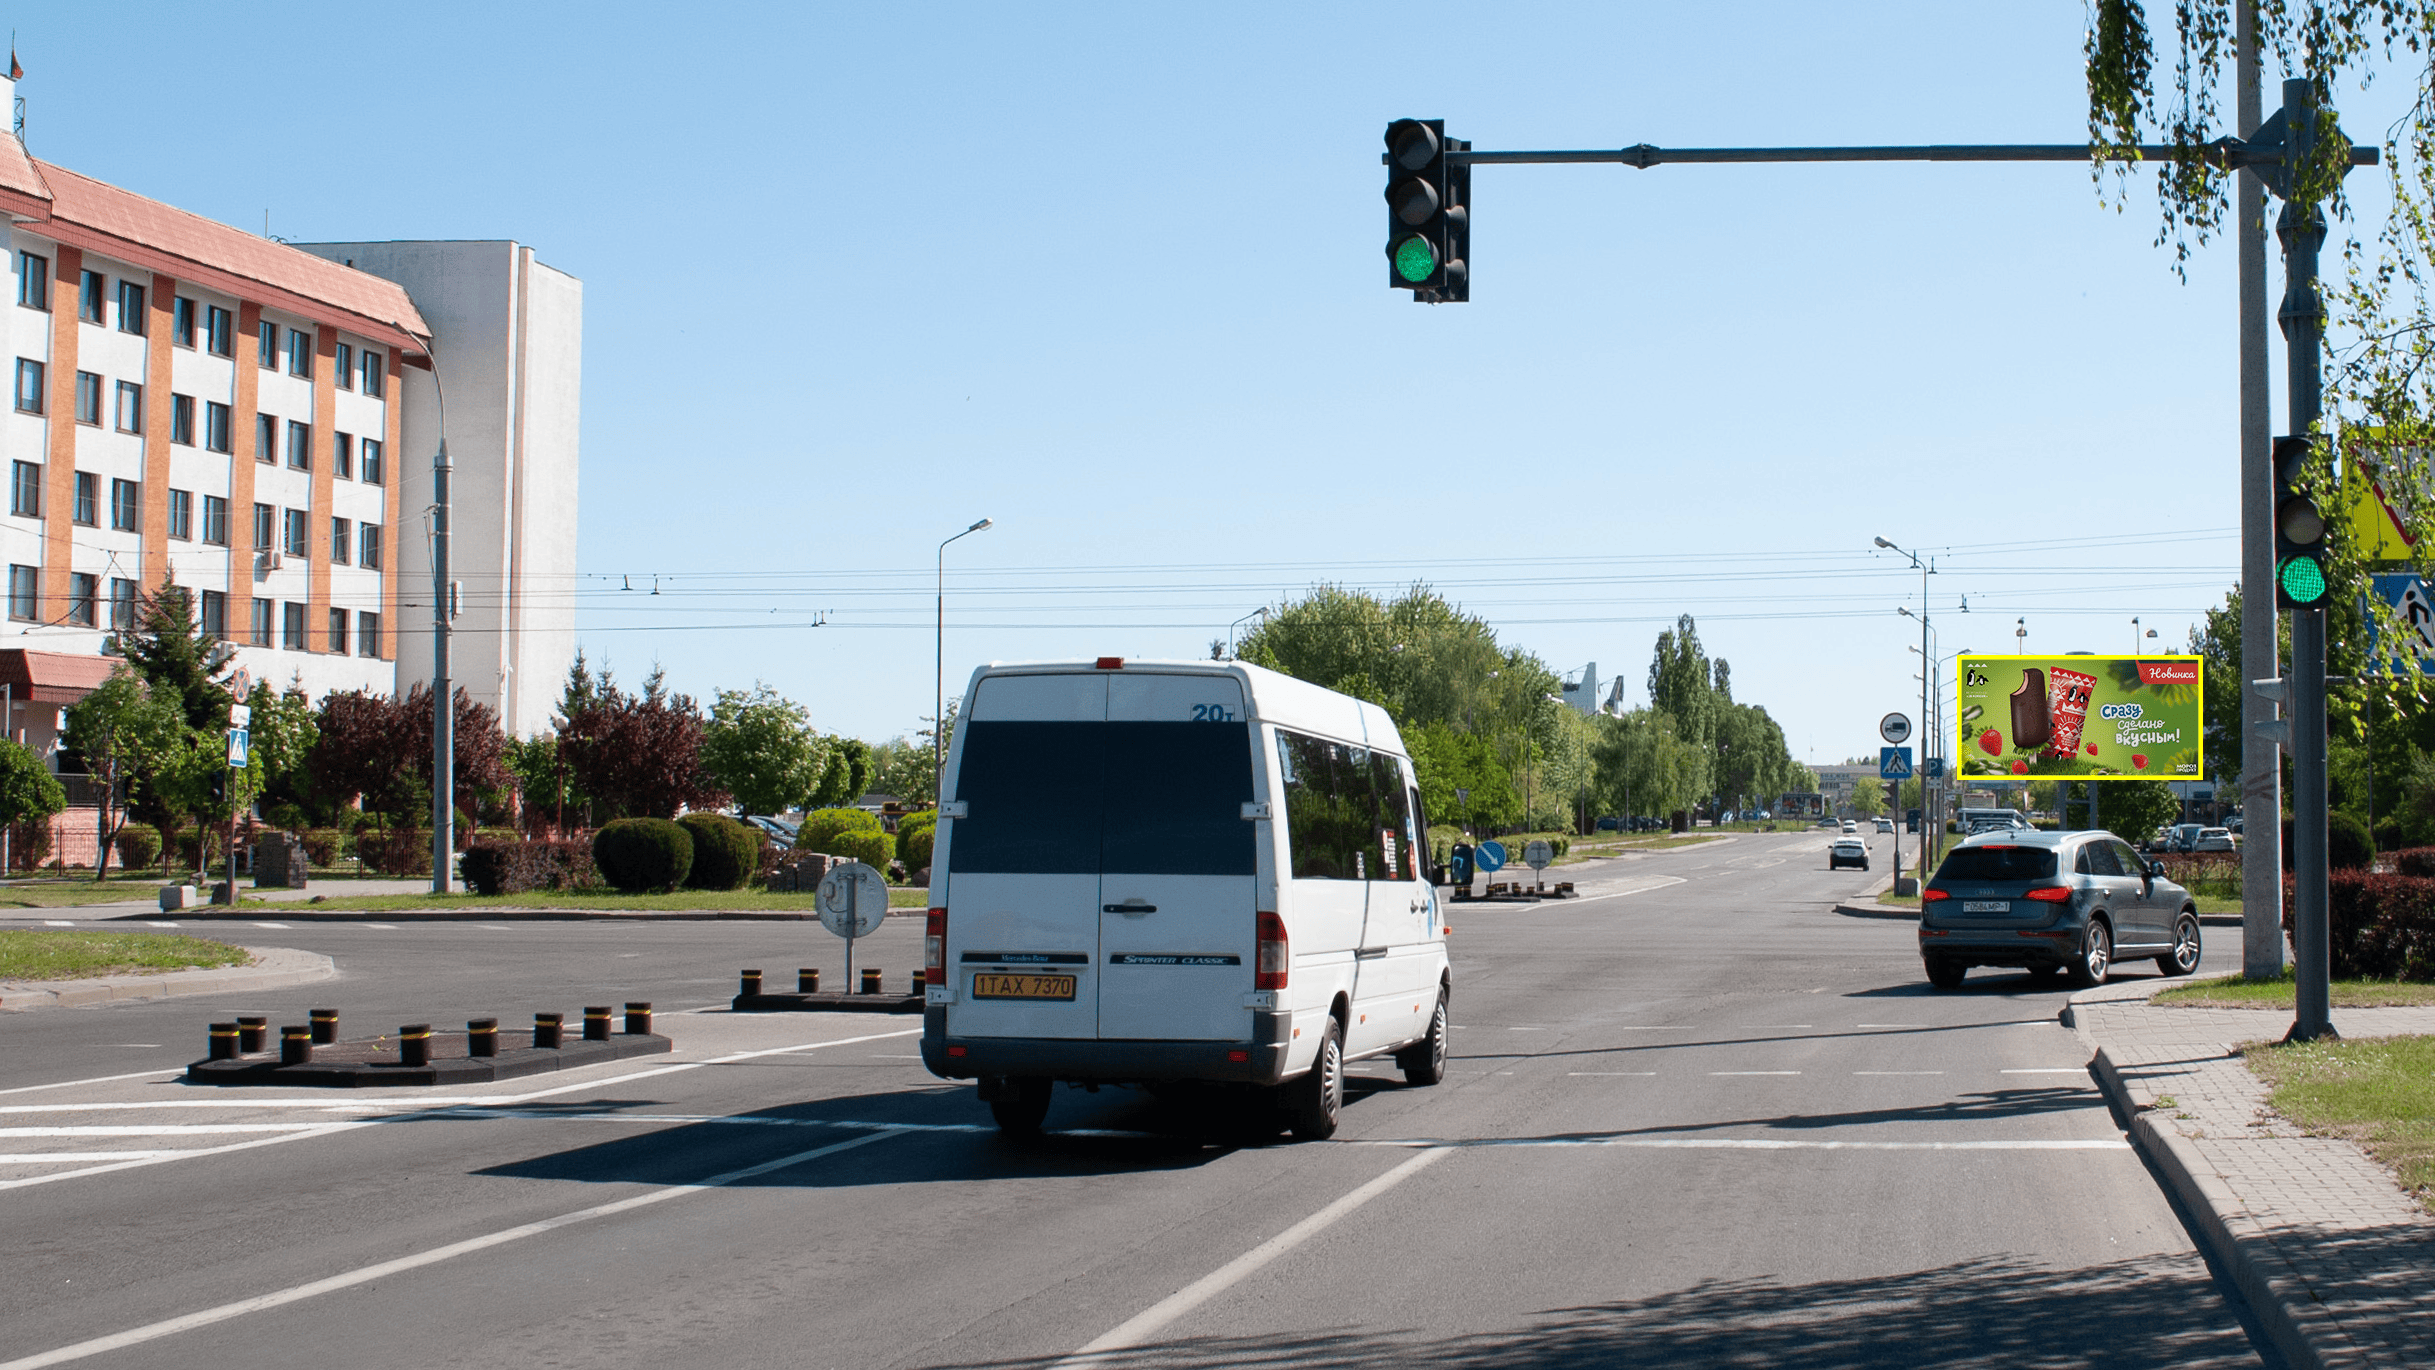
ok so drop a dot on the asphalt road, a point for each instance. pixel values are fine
(1705, 1121)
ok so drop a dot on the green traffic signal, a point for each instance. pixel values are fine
(2301, 579)
(1415, 259)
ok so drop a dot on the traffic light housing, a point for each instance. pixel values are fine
(1428, 218)
(2300, 580)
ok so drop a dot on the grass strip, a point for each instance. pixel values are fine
(598, 901)
(2376, 1091)
(83, 955)
(2237, 991)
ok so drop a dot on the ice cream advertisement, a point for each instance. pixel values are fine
(2089, 717)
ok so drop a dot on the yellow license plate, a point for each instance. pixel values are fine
(985, 986)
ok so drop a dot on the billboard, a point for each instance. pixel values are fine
(2086, 717)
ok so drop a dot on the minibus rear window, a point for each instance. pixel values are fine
(1998, 864)
(1126, 798)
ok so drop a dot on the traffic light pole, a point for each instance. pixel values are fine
(2301, 227)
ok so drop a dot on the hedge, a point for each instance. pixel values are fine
(2415, 861)
(726, 854)
(2347, 847)
(873, 848)
(493, 867)
(820, 826)
(915, 837)
(637, 854)
(394, 851)
(138, 845)
(324, 846)
(2380, 927)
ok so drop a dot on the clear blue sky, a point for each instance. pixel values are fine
(1112, 276)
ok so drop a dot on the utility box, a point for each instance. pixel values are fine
(279, 862)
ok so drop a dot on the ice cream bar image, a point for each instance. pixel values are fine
(2031, 725)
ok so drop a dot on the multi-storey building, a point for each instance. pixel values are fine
(256, 420)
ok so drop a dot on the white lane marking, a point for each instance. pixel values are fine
(62, 1157)
(58, 922)
(1610, 1072)
(1897, 1072)
(165, 1158)
(95, 1080)
(1149, 1321)
(1769, 1027)
(1754, 1072)
(1752, 1144)
(494, 927)
(2050, 1070)
(281, 926)
(1890, 1025)
(137, 1336)
(384, 927)
(157, 1129)
(160, 925)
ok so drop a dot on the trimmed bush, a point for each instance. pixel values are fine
(2380, 927)
(138, 845)
(2347, 847)
(29, 843)
(726, 854)
(914, 839)
(323, 846)
(517, 867)
(871, 847)
(2419, 861)
(637, 854)
(821, 825)
(395, 851)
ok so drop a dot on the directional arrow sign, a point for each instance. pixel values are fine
(1893, 763)
(2415, 603)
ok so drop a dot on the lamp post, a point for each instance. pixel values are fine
(2020, 636)
(938, 716)
(1925, 569)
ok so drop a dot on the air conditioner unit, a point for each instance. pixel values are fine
(269, 559)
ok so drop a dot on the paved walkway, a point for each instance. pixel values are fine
(2337, 1262)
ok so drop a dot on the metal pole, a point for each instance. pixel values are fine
(2302, 229)
(938, 715)
(2261, 788)
(443, 698)
(1926, 664)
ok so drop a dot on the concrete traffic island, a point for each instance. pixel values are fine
(309, 1055)
(808, 997)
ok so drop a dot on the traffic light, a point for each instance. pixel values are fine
(219, 787)
(2299, 530)
(1428, 226)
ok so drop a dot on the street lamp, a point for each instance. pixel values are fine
(938, 716)
(2020, 636)
(1925, 569)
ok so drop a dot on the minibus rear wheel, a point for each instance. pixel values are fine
(1315, 1103)
(1020, 1114)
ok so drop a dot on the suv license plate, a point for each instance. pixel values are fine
(1986, 906)
(986, 986)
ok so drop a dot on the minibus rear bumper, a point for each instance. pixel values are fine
(1259, 1060)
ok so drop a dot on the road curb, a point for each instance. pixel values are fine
(1873, 910)
(274, 968)
(290, 914)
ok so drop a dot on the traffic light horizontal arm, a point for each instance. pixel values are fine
(2229, 152)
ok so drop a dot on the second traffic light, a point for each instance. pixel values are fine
(2300, 580)
(1428, 218)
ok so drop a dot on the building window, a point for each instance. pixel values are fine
(215, 520)
(82, 591)
(299, 445)
(130, 407)
(215, 615)
(371, 452)
(342, 361)
(259, 630)
(181, 420)
(34, 281)
(181, 515)
(181, 321)
(367, 542)
(342, 534)
(291, 627)
(88, 498)
(266, 526)
(367, 634)
(299, 353)
(342, 456)
(122, 603)
(220, 331)
(217, 419)
(123, 502)
(24, 593)
(338, 631)
(266, 438)
(88, 299)
(374, 376)
(88, 398)
(266, 351)
(130, 308)
(29, 386)
(25, 490)
(299, 540)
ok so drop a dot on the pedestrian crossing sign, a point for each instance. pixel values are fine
(1893, 763)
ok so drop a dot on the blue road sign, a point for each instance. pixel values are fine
(1489, 857)
(2415, 603)
(240, 741)
(1933, 767)
(1893, 763)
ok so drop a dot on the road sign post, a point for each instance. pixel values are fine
(853, 899)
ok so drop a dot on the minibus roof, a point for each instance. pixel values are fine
(1271, 696)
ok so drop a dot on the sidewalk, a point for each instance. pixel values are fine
(2336, 1262)
(274, 968)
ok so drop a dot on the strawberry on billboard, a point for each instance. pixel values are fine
(2087, 717)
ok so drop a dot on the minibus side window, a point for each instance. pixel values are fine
(1331, 808)
(1391, 844)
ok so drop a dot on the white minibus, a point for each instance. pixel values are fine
(1150, 872)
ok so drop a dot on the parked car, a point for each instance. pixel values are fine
(2053, 903)
(1847, 851)
(2185, 836)
(2214, 839)
(1609, 824)
(779, 831)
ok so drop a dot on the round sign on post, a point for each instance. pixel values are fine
(1538, 855)
(853, 899)
(1894, 728)
(1489, 857)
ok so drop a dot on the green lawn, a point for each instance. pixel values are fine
(604, 901)
(72, 893)
(2377, 1091)
(78, 955)
(2233, 991)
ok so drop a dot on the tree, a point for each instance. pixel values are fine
(2133, 809)
(904, 767)
(359, 752)
(29, 793)
(1448, 763)
(283, 731)
(125, 730)
(1680, 685)
(477, 750)
(1868, 798)
(762, 748)
(638, 756)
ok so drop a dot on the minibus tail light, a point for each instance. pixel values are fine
(1274, 958)
(934, 949)
(2051, 894)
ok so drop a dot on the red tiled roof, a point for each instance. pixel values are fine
(100, 217)
(21, 187)
(52, 677)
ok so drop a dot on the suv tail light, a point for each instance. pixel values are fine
(1275, 959)
(2050, 894)
(1930, 896)
(934, 949)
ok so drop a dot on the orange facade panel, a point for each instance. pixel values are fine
(59, 477)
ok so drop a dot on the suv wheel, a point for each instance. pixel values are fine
(2096, 955)
(1945, 974)
(2183, 958)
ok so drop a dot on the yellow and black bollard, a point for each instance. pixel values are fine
(482, 1037)
(295, 1044)
(325, 1026)
(752, 983)
(638, 1018)
(548, 1029)
(870, 981)
(251, 1032)
(807, 980)
(596, 1022)
(414, 1044)
(223, 1042)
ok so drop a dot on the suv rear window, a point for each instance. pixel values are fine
(1998, 864)
(1123, 798)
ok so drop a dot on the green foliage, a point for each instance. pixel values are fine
(494, 866)
(871, 846)
(725, 852)
(1419, 657)
(916, 834)
(132, 737)
(139, 845)
(2347, 844)
(638, 854)
(28, 790)
(904, 767)
(1447, 761)
(2132, 809)
(821, 826)
(761, 747)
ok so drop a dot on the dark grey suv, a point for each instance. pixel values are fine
(2052, 902)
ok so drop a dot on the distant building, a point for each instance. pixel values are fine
(1838, 782)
